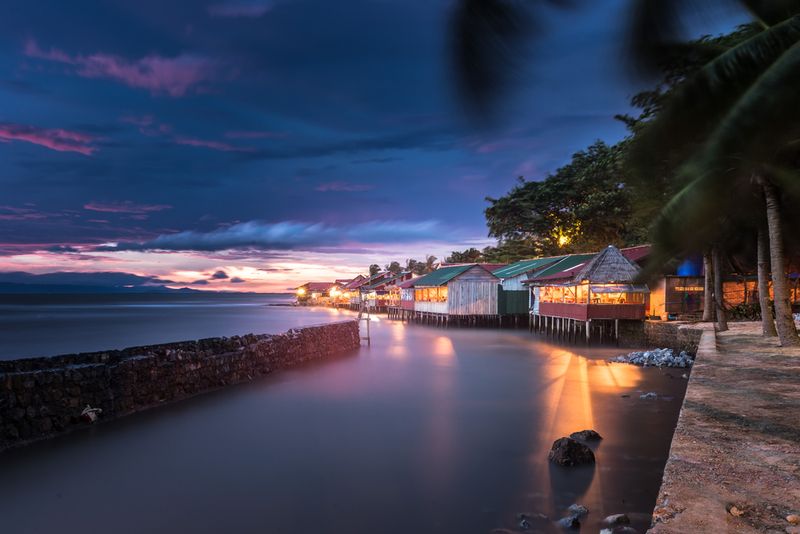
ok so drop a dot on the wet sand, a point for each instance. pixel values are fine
(427, 430)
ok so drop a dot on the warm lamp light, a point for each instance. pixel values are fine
(301, 291)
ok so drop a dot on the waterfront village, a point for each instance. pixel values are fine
(591, 296)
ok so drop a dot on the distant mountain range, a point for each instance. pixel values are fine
(19, 282)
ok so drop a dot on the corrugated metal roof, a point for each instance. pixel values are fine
(564, 268)
(384, 282)
(524, 266)
(407, 284)
(318, 286)
(356, 282)
(367, 280)
(637, 253)
(441, 276)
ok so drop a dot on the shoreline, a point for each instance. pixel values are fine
(734, 462)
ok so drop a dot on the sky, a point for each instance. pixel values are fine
(253, 145)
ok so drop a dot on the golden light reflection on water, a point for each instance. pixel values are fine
(613, 376)
(444, 353)
(439, 464)
(570, 386)
(397, 348)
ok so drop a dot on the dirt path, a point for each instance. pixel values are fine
(737, 442)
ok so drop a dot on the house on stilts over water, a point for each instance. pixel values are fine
(455, 294)
(379, 295)
(515, 297)
(587, 295)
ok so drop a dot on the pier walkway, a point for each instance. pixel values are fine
(734, 464)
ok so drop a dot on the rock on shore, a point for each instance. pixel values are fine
(657, 358)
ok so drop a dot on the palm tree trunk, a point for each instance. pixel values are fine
(708, 288)
(767, 320)
(787, 332)
(722, 319)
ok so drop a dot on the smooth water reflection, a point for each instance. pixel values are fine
(426, 430)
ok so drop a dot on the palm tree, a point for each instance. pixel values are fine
(734, 118)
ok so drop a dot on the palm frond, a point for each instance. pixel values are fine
(657, 32)
(763, 123)
(699, 102)
(757, 129)
(488, 39)
(771, 12)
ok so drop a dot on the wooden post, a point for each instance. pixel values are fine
(588, 330)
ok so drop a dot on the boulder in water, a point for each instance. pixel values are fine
(570, 452)
(586, 435)
(578, 510)
(571, 522)
(617, 519)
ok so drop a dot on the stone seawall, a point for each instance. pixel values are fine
(673, 335)
(661, 334)
(43, 397)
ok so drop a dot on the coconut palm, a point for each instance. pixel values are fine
(734, 123)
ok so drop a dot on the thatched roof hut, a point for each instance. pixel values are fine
(609, 266)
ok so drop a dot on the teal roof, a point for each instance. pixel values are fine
(441, 276)
(525, 266)
(565, 264)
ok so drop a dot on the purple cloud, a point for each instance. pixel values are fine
(11, 213)
(240, 8)
(249, 134)
(126, 207)
(343, 187)
(147, 124)
(237, 280)
(292, 236)
(159, 75)
(219, 275)
(52, 138)
(213, 145)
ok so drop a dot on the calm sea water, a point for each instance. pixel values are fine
(46, 325)
(426, 431)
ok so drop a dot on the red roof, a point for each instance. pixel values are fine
(565, 275)
(318, 286)
(492, 267)
(356, 282)
(407, 284)
(636, 254)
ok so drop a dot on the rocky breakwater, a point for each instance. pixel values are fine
(43, 397)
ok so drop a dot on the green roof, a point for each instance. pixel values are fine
(441, 276)
(524, 266)
(566, 263)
